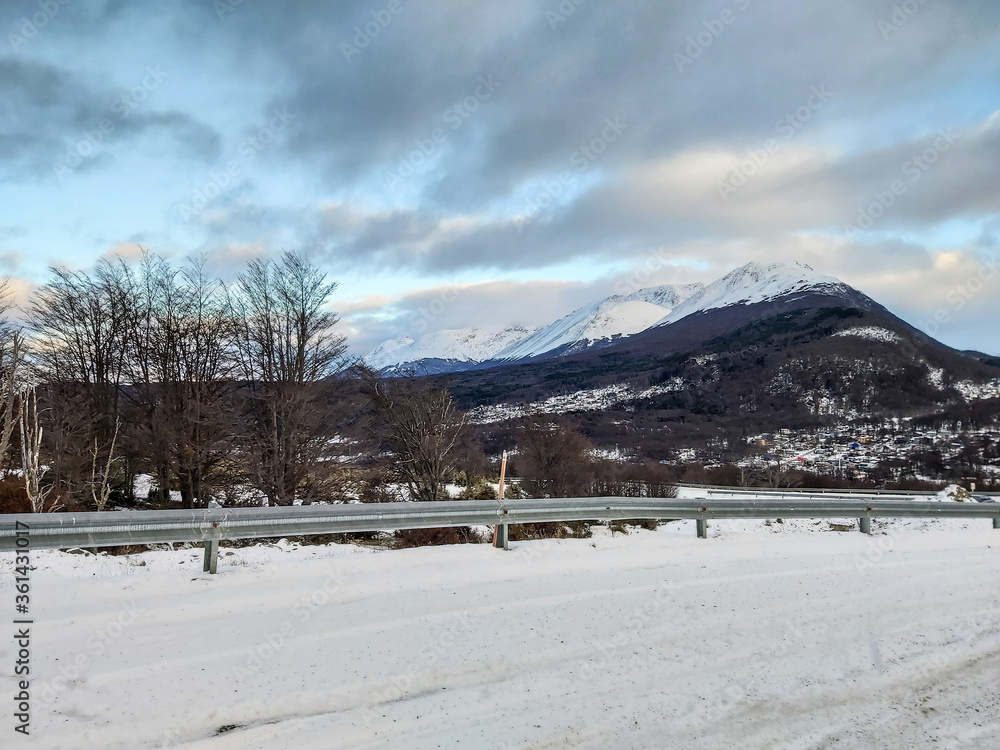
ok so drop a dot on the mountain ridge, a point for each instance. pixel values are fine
(607, 322)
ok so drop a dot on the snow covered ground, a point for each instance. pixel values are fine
(782, 636)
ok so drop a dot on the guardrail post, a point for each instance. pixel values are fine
(501, 538)
(866, 524)
(996, 523)
(211, 556)
(702, 527)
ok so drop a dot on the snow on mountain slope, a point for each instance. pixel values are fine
(618, 315)
(872, 333)
(668, 295)
(615, 316)
(459, 345)
(757, 282)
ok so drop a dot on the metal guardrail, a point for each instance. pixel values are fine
(113, 529)
(714, 489)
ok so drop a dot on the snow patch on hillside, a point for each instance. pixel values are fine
(589, 399)
(971, 391)
(872, 333)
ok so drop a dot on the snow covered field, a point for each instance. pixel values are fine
(780, 636)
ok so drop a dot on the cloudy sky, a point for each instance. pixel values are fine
(465, 163)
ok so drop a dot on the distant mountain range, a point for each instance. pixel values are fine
(669, 368)
(603, 323)
(445, 351)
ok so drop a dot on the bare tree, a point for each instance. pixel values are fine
(418, 425)
(31, 449)
(553, 458)
(100, 485)
(470, 458)
(202, 397)
(81, 323)
(12, 346)
(11, 355)
(288, 358)
(180, 370)
(163, 370)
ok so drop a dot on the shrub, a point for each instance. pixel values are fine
(13, 498)
(436, 537)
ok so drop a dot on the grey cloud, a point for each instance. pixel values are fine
(358, 119)
(458, 306)
(48, 117)
(628, 216)
(10, 262)
(321, 186)
(605, 60)
(10, 231)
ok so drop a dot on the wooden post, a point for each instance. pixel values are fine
(503, 475)
(500, 533)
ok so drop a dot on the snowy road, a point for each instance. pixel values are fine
(780, 637)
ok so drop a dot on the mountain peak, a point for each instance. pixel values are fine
(666, 295)
(601, 322)
(758, 282)
(604, 321)
(462, 345)
(790, 274)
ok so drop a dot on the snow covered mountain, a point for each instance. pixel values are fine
(758, 282)
(668, 295)
(442, 351)
(599, 322)
(608, 321)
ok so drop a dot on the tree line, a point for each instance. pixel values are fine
(239, 393)
(161, 369)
